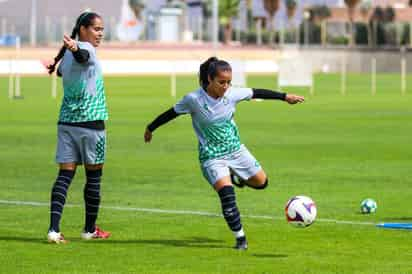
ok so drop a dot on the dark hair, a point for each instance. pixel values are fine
(210, 68)
(85, 19)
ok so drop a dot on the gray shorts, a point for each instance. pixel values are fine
(241, 162)
(80, 145)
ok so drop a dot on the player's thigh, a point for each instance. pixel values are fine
(259, 178)
(245, 165)
(93, 147)
(214, 170)
(67, 150)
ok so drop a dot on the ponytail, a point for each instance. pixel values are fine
(85, 19)
(62, 50)
(210, 68)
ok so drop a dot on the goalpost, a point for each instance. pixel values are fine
(238, 73)
(403, 74)
(14, 90)
(295, 71)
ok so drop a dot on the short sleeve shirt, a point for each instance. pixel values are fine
(212, 120)
(84, 97)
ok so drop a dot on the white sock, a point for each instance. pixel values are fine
(239, 233)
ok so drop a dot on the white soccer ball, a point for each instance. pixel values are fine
(300, 211)
(368, 206)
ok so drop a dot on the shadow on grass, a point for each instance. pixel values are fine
(192, 242)
(201, 242)
(41, 240)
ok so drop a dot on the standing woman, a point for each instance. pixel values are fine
(224, 160)
(81, 129)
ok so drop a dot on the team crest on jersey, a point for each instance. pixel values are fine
(225, 100)
(206, 107)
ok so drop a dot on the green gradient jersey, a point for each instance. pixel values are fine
(212, 120)
(84, 98)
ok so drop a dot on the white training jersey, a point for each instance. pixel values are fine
(84, 97)
(212, 120)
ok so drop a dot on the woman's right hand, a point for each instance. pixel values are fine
(70, 43)
(147, 136)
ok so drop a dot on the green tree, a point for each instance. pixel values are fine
(227, 10)
(271, 7)
(290, 8)
(351, 5)
(137, 7)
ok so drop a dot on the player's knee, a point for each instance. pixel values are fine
(263, 185)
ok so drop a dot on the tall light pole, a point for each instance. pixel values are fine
(33, 23)
(215, 26)
(3, 21)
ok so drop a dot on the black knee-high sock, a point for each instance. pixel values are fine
(58, 198)
(92, 198)
(229, 208)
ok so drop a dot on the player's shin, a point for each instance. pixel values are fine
(58, 198)
(92, 198)
(232, 215)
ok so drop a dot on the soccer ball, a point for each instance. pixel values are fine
(300, 211)
(368, 206)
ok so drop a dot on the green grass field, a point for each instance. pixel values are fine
(337, 149)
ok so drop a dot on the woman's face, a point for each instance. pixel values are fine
(93, 33)
(218, 86)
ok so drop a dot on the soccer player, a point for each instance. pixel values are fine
(81, 129)
(224, 160)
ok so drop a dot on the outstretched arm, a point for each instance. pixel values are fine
(275, 95)
(163, 118)
(80, 55)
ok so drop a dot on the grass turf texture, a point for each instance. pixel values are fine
(336, 149)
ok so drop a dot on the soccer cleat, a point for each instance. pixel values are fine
(97, 234)
(55, 237)
(236, 180)
(241, 243)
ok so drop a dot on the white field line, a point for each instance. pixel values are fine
(180, 212)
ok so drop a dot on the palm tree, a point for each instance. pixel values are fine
(227, 10)
(271, 6)
(290, 11)
(290, 8)
(137, 6)
(351, 4)
(365, 9)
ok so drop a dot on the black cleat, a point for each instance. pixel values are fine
(241, 243)
(237, 181)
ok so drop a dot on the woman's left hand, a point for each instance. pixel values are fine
(147, 136)
(293, 99)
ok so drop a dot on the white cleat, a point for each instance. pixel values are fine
(55, 238)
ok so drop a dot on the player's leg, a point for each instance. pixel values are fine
(58, 200)
(217, 174)
(93, 153)
(246, 170)
(258, 181)
(92, 198)
(67, 156)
